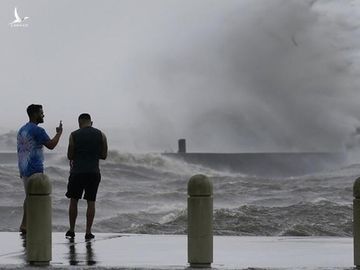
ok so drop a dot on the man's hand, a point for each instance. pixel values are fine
(54, 141)
(59, 129)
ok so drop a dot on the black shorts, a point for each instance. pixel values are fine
(78, 182)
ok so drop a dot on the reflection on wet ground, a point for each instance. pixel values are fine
(23, 244)
(169, 252)
(79, 257)
(81, 253)
(72, 252)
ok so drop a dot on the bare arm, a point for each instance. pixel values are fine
(104, 148)
(54, 141)
(70, 151)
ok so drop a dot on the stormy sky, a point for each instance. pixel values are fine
(227, 75)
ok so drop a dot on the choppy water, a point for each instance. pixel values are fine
(147, 193)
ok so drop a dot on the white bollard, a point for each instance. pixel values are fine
(200, 222)
(38, 220)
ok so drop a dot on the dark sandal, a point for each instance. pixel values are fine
(89, 236)
(70, 234)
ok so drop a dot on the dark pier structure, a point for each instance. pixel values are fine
(283, 164)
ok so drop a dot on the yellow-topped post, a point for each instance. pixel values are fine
(200, 221)
(38, 220)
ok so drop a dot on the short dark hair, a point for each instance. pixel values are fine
(33, 108)
(84, 116)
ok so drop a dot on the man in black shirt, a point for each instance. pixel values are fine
(86, 146)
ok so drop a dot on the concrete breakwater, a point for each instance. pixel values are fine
(266, 164)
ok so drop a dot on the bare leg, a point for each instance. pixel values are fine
(73, 210)
(23, 222)
(90, 214)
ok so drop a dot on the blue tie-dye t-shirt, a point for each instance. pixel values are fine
(30, 141)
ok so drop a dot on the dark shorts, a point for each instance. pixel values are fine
(80, 182)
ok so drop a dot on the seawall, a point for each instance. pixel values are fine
(266, 164)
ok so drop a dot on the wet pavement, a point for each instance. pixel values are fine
(170, 252)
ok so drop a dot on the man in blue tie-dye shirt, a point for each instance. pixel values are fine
(30, 141)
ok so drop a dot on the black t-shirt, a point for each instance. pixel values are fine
(87, 149)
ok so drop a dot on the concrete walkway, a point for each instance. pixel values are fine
(124, 251)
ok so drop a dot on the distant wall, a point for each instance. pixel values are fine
(265, 164)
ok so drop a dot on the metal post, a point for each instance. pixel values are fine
(38, 220)
(200, 222)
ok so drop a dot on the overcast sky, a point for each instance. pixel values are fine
(227, 75)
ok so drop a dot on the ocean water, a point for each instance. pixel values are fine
(147, 193)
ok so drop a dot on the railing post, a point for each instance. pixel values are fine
(38, 220)
(200, 221)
